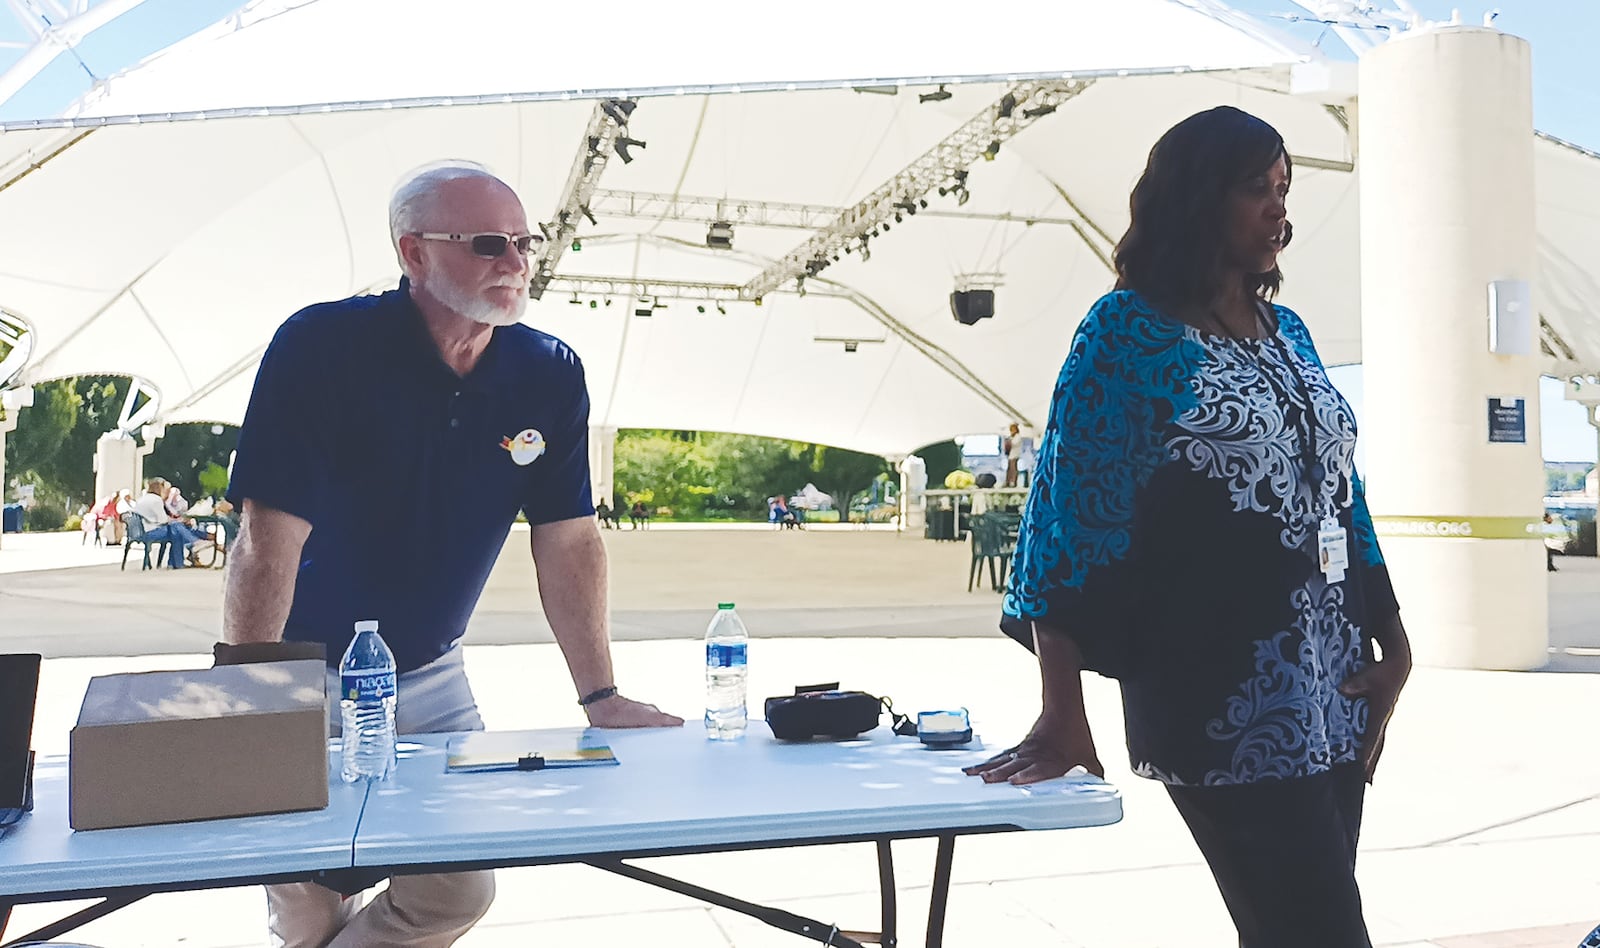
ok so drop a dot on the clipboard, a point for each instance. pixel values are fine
(551, 748)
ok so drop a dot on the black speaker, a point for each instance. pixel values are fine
(969, 306)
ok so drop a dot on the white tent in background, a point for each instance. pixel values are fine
(176, 216)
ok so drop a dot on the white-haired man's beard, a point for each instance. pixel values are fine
(472, 304)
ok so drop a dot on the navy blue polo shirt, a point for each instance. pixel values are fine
(409, 474)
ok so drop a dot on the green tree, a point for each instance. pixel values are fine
(749, 469)
(213, 480)
(100, 400)
(53, 446)
(844, 474)
(941, 458)
(663, 469)
(188, 449)
(33, 449)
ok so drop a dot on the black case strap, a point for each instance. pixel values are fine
(903, 725)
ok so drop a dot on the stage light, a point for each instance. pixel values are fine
(618, 110)
(850, 346)
(1038, 110)
(992, 150)
(577, 245)
(938, 96)
(1008, 102)
(719, 235)
(622, 146)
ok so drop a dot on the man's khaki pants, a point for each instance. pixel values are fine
(425, 911)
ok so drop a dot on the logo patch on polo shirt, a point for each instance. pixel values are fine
(526, 447)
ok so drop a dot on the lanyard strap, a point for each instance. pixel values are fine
(1315, 471)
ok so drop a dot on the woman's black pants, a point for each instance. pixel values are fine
(1284, 855)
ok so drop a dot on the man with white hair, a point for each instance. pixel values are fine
(364, 405)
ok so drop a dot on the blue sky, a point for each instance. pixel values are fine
(1566, 104)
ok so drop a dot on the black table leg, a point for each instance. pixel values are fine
(101, 909)
(885, 937)
(941, 890)
(886, 888)
(830, 935)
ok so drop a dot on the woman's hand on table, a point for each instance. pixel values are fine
(1050, 750)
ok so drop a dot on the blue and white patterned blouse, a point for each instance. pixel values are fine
(1172, 533)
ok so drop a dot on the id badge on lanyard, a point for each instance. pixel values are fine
(1333, 550)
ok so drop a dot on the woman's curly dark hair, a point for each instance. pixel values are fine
(1173, 251)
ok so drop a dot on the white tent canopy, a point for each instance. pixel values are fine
(255, 176)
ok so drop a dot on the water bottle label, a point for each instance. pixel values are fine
(371, 687)
(725, 655)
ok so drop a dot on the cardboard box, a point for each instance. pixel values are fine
(175, 746)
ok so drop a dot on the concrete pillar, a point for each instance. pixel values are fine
(116, 464)
(152, 434)
(1445, 151)
(913, 502)
(602, 462)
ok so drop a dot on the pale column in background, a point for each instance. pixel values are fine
(116, 465)
(602, 462)
(1447, 206)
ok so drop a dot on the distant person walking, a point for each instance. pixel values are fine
(1554, 537)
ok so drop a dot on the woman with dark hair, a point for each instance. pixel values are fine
(1197, 530)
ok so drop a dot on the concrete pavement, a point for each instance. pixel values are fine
(1480, 830)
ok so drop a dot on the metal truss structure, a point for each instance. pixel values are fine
(52, 27)
(711, 210)
(607, 125)
(653, 291)
(16, 343)
(644, 289)
(943, 165)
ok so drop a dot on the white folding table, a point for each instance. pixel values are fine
(43, 860)
(676, 792)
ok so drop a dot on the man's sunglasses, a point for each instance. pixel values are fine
(491, 246)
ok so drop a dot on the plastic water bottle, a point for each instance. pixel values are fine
(727, 644)
(366, 704)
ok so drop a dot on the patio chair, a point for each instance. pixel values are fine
(136, 534)
(991, 545)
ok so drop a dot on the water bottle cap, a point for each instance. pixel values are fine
(366, 625)
(724, 605)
